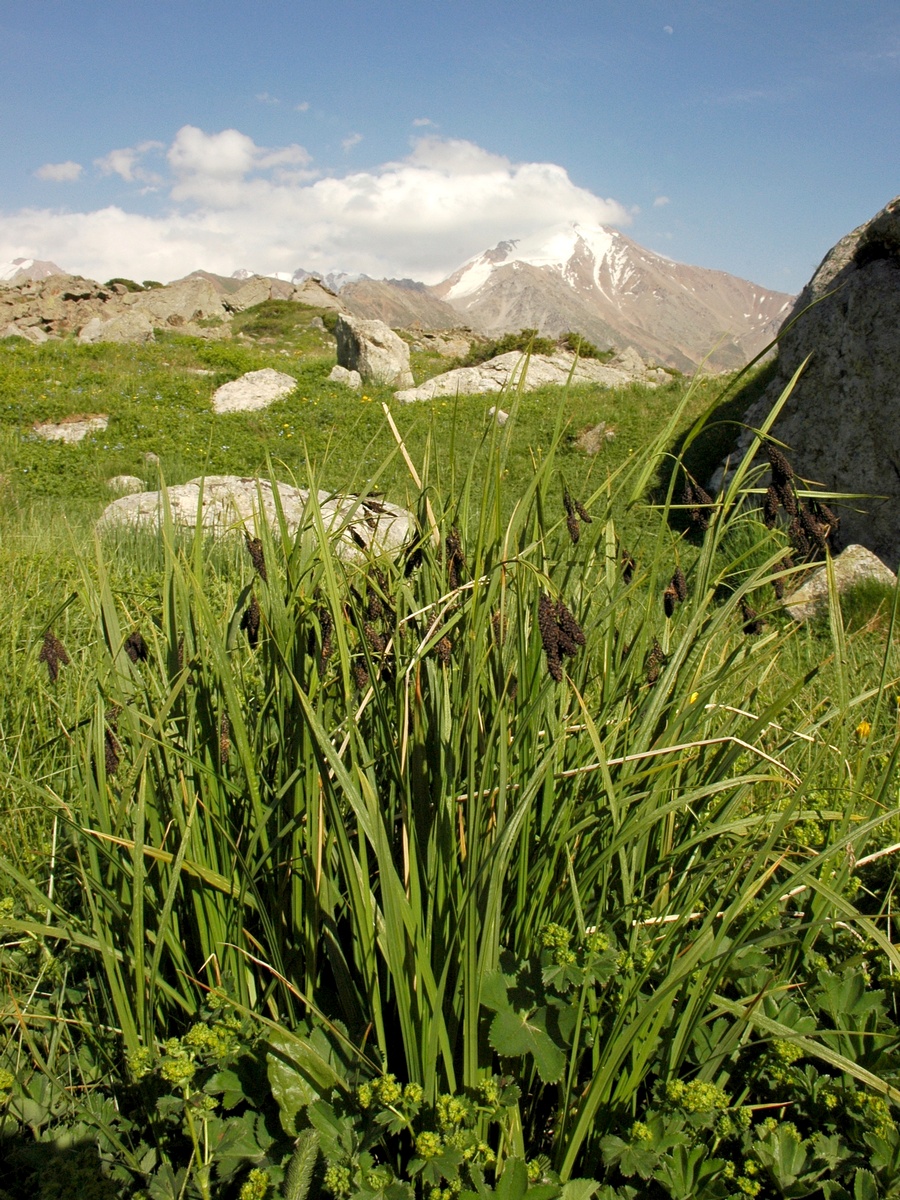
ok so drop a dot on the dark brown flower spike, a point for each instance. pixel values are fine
(136, 647)
(752, 624)
(816, 534)
(549, 631)
(654, 662)
(679, 583)
(583, 512)
(782, 471)
(569, 629)
(456, 563)
(255, 548)
(53, 653)
(326, 624)
(670, 599)
(628, 567)
(568, 503)
(224, 738)
(250, 621)
(112, 751)
(770, 508)
(574, 528)
(376, 641)
(444, 651)
(698, 502)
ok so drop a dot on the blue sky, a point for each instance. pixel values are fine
(400, 138)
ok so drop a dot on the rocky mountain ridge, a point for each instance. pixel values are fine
(589, 279)
(592, 279)
(598, 281)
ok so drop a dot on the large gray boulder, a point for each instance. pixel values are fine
(513, 370)
(230, 503)
(374, 350)
(31, 333)
(182, 303)
(126, 327)
(842, 422)
(255, 390)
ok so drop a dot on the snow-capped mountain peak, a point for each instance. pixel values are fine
(596, 280)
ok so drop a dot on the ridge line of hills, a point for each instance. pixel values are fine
(591, 279)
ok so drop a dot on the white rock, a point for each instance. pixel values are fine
(498, 414)
(125, 484)
(71, 429)
(350, 379)
(851, 566)
(231, 503)
(592, 440)
(256, 389)
(506, 371)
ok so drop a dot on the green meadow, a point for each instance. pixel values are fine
(547, 859)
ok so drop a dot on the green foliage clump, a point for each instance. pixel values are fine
(530, 341)
(525, 340)
(583, 348)
(126, 283)
(520, 878)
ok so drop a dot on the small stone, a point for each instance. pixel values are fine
(852, 566)
(591, 441)
(71, 429)
(498, 414)
(125, 485)
(350, 379)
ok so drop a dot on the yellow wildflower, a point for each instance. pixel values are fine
(863, 729)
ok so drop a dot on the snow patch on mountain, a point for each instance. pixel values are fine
(27, 268)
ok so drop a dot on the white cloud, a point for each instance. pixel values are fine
(126, 163)
(353, 140)
(265, 98)
(668, 29)
(421, 121)
(303, 106)
(231, 203)
(661, 201)
(65, 172)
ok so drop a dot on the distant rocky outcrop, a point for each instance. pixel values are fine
(223, 504)
(514, 369)
(842, 422)
(374, 350)
(201, 305)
